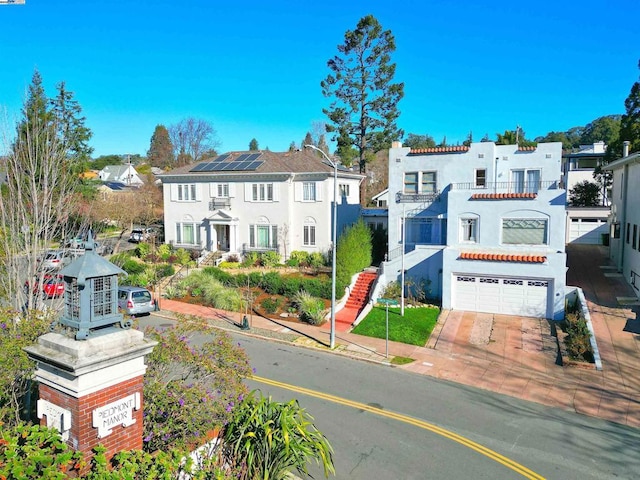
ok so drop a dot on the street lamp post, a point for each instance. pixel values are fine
(332, 334)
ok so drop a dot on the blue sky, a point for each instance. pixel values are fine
(253, 68)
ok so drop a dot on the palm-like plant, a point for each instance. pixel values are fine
(267, 439)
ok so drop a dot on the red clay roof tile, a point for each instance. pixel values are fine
(504, 196)
(503, 257)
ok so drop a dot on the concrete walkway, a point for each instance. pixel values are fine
(515, 356)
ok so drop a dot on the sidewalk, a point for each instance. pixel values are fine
(515, 356)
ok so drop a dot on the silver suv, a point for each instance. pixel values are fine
(140, 235)
(135, 300)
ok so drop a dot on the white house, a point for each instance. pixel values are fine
(481, 227)
(625, 216)
(125, 174)
(258, 201)
(586, 225)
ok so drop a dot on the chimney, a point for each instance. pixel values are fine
(625, 148)
(396, 144)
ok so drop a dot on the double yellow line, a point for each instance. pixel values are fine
(501, 459)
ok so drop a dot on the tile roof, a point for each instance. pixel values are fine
(503, 257)
(455, 149)
(504, 196)
(527, 149)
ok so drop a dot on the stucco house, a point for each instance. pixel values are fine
(125, 174)
(480, 227)
(258, 201)
(624, 248)
(585, 225)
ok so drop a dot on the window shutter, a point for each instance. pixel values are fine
(276, 192)
(247, 192)
(173, 191)
(274, 236)
(232, 190)
(319, 188)
(297, 191)
(252, 239)
(196, 189)
(213, 190)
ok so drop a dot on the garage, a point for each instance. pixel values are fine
(587, 230)
(506, 295)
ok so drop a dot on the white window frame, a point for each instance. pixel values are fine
(272, 236)
(469, 230)
(186, 192)
(480, 181)
(309, 192)
(344, 189)
(180, 233)
(223, 190)
(526, 185)
(262, 192)
(309, 235)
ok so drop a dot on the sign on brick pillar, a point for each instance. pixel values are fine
(90, 369)
(91, 390)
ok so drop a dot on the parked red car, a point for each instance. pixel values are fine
(52, 286)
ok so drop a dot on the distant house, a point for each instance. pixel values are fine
(243, 202)
(125, 174)
(586, 225)
(624, 247)
(381, 199)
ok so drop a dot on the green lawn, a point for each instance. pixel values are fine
(414, 328)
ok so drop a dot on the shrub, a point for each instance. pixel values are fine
(132, 266)
(224, 277)
(165, 270)
(298, 257)
(229, 265)
(251, 259)
(164, 251)
(120, 258)
(272, 283)
(183, 256)
(233, 258)
(578, 337)
(354, 251)
(392, 290)
(255, 279)
(143, 249)
(271, 305)
(290, 286)
(267, 439)
(317, 288)
(311, 309)
(316, 260)
(270, 259)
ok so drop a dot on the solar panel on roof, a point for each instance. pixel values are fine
(241, 157)
(239, 165)
(254, 165)
(222, 157)
(199, 167)
(253, 157)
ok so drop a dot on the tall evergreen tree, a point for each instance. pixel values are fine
(70, 125)
(253, 144)
(308, 140)
(160, 152)
(364, 109)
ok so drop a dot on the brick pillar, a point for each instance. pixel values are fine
(91, 390)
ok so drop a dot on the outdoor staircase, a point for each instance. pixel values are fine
(357, 300)
(210, 259)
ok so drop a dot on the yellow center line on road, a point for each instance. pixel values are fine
(501, 459)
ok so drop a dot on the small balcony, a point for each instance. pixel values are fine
(218, 203)
(402, 197)
(508, 187)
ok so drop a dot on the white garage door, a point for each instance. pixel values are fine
(587, 230)
(511, 296)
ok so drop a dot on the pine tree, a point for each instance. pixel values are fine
(253, 145)
(160, 152)
(308, 140)
(70, 125)
(364, 109)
